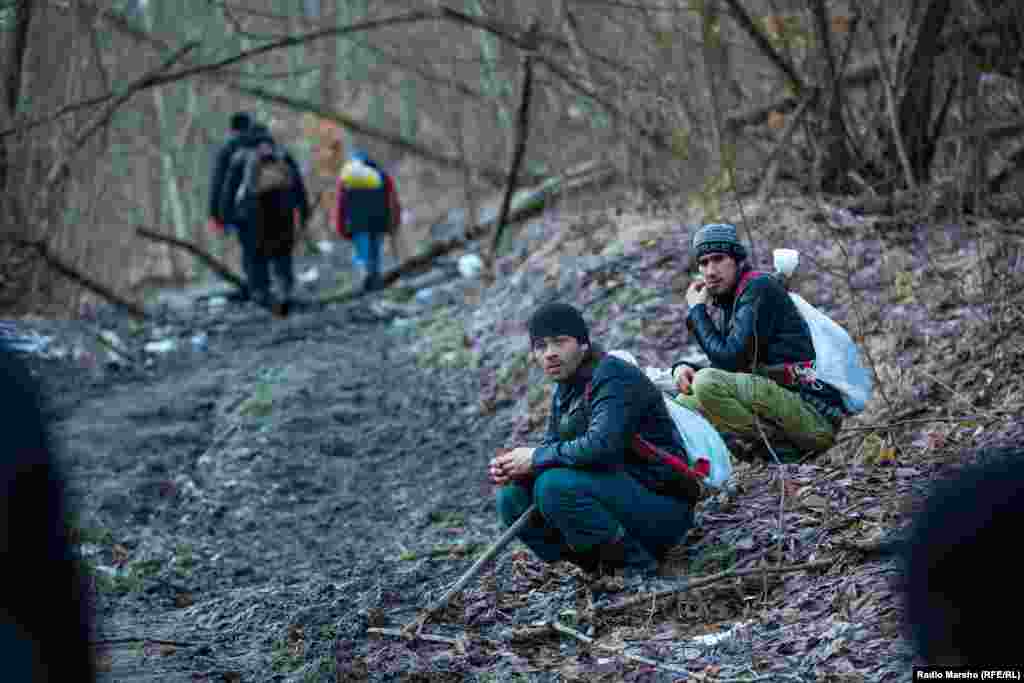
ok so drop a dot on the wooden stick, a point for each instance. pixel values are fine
(420, 636)
(471, 573)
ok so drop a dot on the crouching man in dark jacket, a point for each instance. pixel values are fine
(604, 504)
(761, 356)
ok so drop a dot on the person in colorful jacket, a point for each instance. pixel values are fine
(602, 505)
(367, 208)
(760, 382)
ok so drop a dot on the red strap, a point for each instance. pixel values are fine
(745, 280)
(649, 451)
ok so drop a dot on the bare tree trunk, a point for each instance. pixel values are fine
(835, 158)
(918, 102)
(12, 84)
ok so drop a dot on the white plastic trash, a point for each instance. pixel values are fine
(162, 346)
(786, 260)
(470, 265)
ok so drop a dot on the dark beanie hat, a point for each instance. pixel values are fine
(240, 121)
(556, 319)
(718, 238)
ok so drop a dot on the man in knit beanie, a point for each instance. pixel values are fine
(760, 383)
(602, 506)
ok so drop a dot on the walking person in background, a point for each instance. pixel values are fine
(367, 208)
(265, 199)
(238, 125)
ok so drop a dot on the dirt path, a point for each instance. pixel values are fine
(254, 501)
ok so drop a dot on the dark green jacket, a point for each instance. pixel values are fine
(623, 402)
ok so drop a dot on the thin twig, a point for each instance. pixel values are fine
(127, 641)
(400, 633)
(714, 578)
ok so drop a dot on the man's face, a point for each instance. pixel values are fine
(559, 357)
(719, 271)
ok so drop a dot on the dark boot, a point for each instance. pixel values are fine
(589, 561)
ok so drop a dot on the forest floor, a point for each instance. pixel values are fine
(250, 507)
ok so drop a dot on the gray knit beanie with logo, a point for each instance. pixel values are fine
(718, 238)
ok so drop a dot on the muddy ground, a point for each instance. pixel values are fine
(289, 478)
(250, 507)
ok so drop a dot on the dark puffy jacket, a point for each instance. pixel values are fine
(623, 402)
(760, 331)
(285, 202)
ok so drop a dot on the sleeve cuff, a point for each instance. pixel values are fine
(544, 457)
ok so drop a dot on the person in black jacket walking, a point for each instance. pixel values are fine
(238, 125)
(603, 504)
(761, 380)
(266, 219)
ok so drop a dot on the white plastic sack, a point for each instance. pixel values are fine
(700, 437)
(702, 441)
(838, 362)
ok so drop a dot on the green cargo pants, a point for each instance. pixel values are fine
(735, 401)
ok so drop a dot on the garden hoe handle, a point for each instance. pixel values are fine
(442, 602)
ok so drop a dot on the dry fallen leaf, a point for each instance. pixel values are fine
(119, 555)
(816, 502)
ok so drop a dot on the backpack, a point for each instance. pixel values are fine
(358, 175)
(265, 169)
(707, 461)
(838, 361)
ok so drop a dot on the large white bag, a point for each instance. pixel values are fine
(837, 361)
(702, 440)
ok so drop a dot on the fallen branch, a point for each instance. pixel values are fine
(216, 266)
(593, 175)
(620, 651)
(714, 578)
(104, 292)
(442, 602)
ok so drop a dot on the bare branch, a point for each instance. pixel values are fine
(494, 175)
(214, 265)
(126, 26)
(747, 24)
(522, 129)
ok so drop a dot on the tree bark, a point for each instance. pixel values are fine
(835, 159)
(918, 101)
